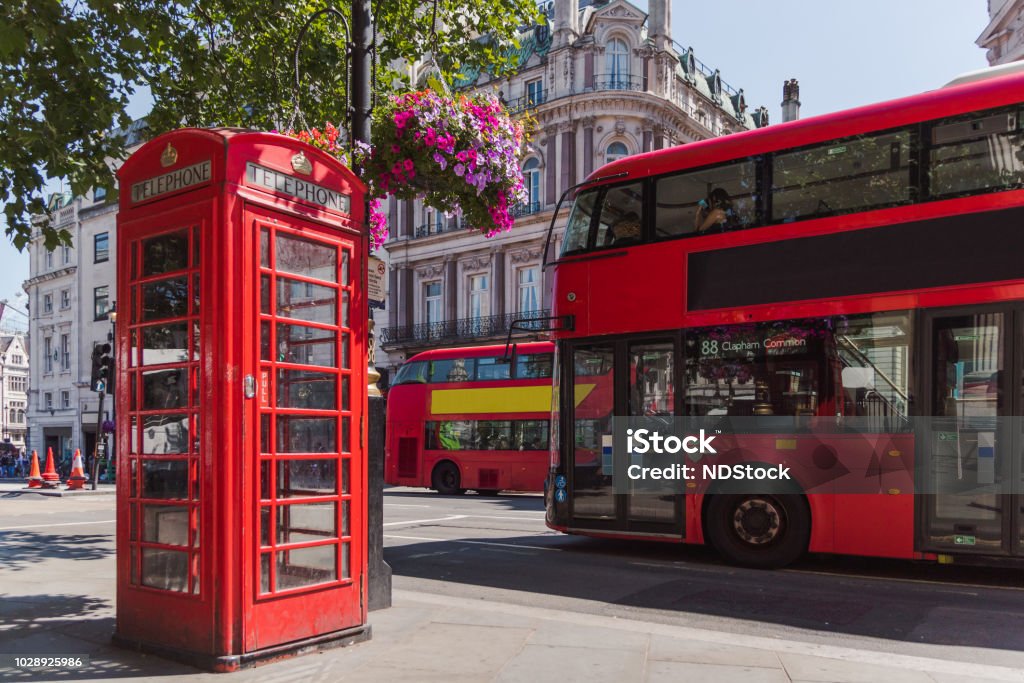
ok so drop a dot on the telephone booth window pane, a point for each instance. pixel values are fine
(195, 294)
(344, 267)
(306, 434)
(195, 574)
(133, 399)
(306, 389)
(265, 294)
(133, 350)
(132, 488)
(346, 518)
(265, 573)
(167, 343)
(195, 389)
(345, 475)
(264, 526)
(195, 532)
(345, 352)
(165, 299)
(264, 433)
(133, 525)
(346, 433)
(265, 340)
(305, 522)
(166, 524)
(306, 301)
(266, 479)
(306, 345)
(345, 403)
(164, 434)
(165, 389)
(165, 253)
(196, 483)
(306, 478)
(307, 566)
(135, 440)
(165, 479)
(265, 248)
(165, 569)
(346, 560)
(302, 257)
(344, 309)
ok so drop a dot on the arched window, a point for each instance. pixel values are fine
(615, 151)
(21, 417)
(531, 175)
(618, 65)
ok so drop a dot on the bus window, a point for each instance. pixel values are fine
(534, 366)
(532, 435)
(577, 234)
(621, 215)
(840, 176)
(488, 369)
(451, 370)
(678, 197)
(410, 373)
(977, 153)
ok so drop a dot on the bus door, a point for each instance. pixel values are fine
(969, 443)
(619, 378)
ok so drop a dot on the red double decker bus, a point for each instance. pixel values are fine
(859, 268)
(468, 418)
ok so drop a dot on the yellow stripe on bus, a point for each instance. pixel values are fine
(498, 400)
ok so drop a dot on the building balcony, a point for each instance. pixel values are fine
(446, 332)
(437, 228)
(525, 209)
(525, 103)
(613, 82)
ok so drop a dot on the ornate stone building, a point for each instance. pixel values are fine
(1003, 38)
(603, 80)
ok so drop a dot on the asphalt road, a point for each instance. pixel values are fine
(498, 548)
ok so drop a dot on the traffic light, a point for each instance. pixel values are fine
(102, 368)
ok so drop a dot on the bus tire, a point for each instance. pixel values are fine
(762, 531)
(446, 479)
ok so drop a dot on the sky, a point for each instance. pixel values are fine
(844, 54)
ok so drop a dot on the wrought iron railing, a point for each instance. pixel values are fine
(525, 209)
(445, 331)
(526, 102)
(437, 228)
(613, 82)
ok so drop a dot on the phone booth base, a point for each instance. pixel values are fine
(241, 400)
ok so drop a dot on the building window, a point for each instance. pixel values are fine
(47, 303)
(432, 302)
(67, 254)
(99, 194)
(65, 399)
(100, 305)
(531, 174)
(618, 64)
(49, 259)
(101, 248)
(17, 359)
(48, 401)
(65, 298)
(535, 91)
(479, 299)
(615, 151)
(65, 352)
(529, 294)
(48, 354)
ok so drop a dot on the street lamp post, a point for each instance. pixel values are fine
(100, 447)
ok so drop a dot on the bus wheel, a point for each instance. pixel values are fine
(446, 479)
(763, 531)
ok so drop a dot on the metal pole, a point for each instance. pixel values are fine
(379, 583)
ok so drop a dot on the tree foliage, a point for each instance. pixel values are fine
(69, 67)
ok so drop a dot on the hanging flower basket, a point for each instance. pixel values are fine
(459, 154)
(107, 427)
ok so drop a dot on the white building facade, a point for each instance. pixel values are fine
(71, 293)
(604, 80)
(1003, 38)
(14, 382)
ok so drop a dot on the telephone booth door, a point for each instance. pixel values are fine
(308, 433)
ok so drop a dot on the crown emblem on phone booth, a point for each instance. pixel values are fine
(301, 164)
(169, 156)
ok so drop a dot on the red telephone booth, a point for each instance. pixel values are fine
(241, 399)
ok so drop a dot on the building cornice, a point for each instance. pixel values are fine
(46, 277)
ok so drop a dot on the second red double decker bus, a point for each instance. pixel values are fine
(851, 284)
(471, 418)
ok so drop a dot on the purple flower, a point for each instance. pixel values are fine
(459, 169)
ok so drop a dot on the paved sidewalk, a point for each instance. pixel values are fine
(57, 598)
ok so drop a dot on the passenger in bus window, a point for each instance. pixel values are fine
(626, 229)
(715, 214)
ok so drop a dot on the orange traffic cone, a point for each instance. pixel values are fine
(34, 480)
(77, 478)
(51, 479)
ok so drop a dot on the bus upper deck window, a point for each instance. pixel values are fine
(415, 372)
(577, 233)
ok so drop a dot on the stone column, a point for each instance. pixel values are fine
(551, 167)
(587, 122)
(498, 288)
(568, 160)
